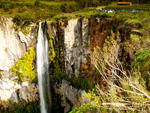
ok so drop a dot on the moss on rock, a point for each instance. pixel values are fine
(24, 68)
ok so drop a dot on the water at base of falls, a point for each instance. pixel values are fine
(42, 70)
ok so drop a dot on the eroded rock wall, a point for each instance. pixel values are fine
(70, 43)
(13, 43)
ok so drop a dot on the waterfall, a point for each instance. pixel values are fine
(42, 70)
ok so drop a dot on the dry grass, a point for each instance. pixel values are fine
(125, 90)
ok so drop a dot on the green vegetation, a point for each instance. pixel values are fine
(142, 58)
(77, 82)
(144, 7)
(25, 67)
(138, 22)
(81, 14)
(22, 107)
(84, 108)
(24, 12)
(120, 90)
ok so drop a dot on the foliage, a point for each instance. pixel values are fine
(134, 19)
(142, 59)
(120, 90)
(76, 82)
(21, 10)
(22, 107)
(23, 19)
(79, 82)
(83, 14)
(37, 2)
(84, 108)
(128, 8)
(52, 50)
(24, 68)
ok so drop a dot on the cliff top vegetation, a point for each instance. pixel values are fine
(33, 10)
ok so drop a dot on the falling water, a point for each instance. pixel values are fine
(42, 70)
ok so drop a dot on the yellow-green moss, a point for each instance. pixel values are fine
(52, 51)
(24, 68)
(25, 30)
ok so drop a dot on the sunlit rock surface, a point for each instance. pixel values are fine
(13, 91)
(76, 42)
(8, 90)
(13, 43)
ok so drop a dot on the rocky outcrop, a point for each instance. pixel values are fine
(13, 91)
(71, 97)
(76, 42)
(13, 43)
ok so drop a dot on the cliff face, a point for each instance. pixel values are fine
(71, 43)
(13, 43)
(76, 38)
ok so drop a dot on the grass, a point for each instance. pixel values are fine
(35, 11)
(28, 11)
(145, 7)
(81, 14)
(136, 18)
(46, 3)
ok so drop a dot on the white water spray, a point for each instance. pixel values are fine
(42, 70)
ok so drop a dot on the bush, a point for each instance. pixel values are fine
(6, 6)
(21, 107)
(120, 90)
(23, 19)
(63, 7)
(37, 2)
(142, 60)
(22, 9)
(24, 68)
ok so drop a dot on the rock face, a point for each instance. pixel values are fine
(73, 95)
(70, 42)
(10, 90)
(76, 42)
(13, 43)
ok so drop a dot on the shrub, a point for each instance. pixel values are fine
(23, 19)
(142, 60)
(22, 9)
(37, 2)
(63, 7)
(7, 6)
(21, 107)
(122, 90)
(24, 68)
(86, 108)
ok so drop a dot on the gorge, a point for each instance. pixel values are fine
(62, 51)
